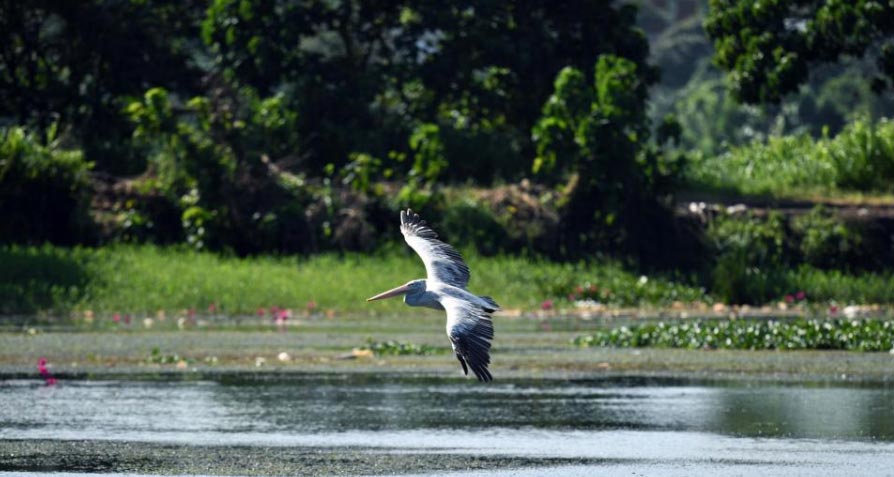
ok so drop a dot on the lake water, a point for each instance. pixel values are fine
(611, 426)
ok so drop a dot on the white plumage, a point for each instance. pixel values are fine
(469, 324)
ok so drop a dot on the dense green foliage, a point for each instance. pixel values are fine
(599, 131)
(540, 129)
(851, 335)
(43, 190)
(758, 259)
(860, 158)
(769, 48)
(245, 121)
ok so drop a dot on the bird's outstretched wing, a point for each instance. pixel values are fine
(470, 330)
(442, 262)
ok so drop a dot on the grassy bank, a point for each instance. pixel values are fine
(146, 279)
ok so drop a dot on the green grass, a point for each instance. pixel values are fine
(837, 286)
(145, 279)
(850, 335)
(859, 159)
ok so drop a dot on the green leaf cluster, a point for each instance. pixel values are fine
(830, 334)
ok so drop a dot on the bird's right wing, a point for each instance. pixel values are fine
(442, 262)
(470, 330)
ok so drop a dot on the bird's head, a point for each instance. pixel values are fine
(410, 288)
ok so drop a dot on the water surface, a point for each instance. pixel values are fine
(663, 426)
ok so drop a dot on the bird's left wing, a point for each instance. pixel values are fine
(470, 330)
(442, 262)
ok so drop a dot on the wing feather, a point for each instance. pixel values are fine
(470, 330)
(442, 262)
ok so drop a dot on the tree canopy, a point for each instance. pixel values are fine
(770, 48)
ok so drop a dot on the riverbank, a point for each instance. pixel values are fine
(525, 348)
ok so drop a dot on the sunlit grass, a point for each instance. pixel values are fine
(859, 160)
(147, 279)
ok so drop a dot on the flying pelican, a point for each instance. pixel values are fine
(469, 326)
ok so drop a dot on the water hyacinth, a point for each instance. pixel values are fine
(834, 334)
(399, 348)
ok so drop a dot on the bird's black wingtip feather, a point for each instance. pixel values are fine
(483, 375)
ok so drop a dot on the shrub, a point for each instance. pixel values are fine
(44, 190)
(825, 241)
(468, 224)
(860, 158)
(750, 255)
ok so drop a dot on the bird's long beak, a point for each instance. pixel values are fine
(390, 293)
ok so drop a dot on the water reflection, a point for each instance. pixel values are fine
(314, 405)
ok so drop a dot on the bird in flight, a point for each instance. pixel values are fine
(469, 325)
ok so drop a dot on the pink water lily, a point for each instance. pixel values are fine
(45, 373)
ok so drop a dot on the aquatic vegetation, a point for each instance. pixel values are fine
(400, 348)
(157, 357)
(837, 334)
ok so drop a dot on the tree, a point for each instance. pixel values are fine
(770, 47)
(597, 135)
(365, 75)
(71, 63)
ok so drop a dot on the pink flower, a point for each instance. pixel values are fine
(572, 297)
(578, 289)
(261, 312)
(546, 305)
(116, 318)
(800, 295)
(789, 298)
(212, 307)
(311, 306)
(833, 309)
(44, 372)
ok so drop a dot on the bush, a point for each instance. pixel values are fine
(859, 158)
(467, 224)
(750, 255)
(825, 241)
(863, 156)
(44, 190)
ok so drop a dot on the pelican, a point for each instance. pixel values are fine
(469, 326)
